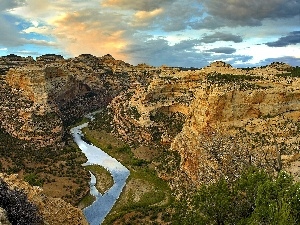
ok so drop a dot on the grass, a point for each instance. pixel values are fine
(104, 179)
(86, 201)
(144, 190)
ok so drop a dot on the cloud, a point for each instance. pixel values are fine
(187, 45)
(89, 31)
(161, 14)
(143, 18)
(219, 36)
(140, 5)
(224, 50)
(292, 39)
(144, 15)
(178, 15)
(158, 51)
(40, 42)
(293, 61)
(9, 4)
(245, 12)
(9, 34)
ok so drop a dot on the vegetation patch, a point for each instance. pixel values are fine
(59, 171)
(294, 72)
(254, 198)
(144, 191)
(104, 179)
(243, 81)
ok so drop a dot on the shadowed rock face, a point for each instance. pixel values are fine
(54, 92)
(52, 210)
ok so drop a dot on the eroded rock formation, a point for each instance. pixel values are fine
(52, 210)
(219, 118)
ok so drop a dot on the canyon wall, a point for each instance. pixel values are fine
(239, 121)
(219, 118)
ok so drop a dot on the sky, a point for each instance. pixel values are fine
(186, 33)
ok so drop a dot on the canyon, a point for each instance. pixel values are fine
(218, 119)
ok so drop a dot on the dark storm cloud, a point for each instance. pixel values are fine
(232, 13)
(219, 36)
(292, 39)
(224, 50)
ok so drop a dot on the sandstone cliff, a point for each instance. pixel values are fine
(220, 119)
(241, 120)
(53, 210)
(40, 98)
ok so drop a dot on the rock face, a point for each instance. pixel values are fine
(239, 121)
(198, 113)
(54, 92)
(220, 119)
(3, 217)
(156, 106)
(13, 61)
(53, 210)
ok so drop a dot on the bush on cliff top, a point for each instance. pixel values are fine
(254, 198)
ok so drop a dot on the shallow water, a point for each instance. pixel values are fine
(96, 212)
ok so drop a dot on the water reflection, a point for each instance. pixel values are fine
(96, 212)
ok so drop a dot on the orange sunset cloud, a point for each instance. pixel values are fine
(78, 37)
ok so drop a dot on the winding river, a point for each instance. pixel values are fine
(96, 212)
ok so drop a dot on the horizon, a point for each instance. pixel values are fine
(241, 33)
(66, 58)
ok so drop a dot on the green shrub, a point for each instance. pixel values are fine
(33, 180)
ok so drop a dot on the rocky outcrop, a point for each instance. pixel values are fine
(50, 58)
(239, 121)
(155, 107)
(220, 119)
(53, 210)
(3, 217)
(13, 61)
(26, 120)
(54, 92)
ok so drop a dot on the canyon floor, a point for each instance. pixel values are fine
(144, 192)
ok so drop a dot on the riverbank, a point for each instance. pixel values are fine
(145, 195)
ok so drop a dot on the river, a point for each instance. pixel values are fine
(96, 213)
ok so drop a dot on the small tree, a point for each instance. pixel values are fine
(214, 202)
